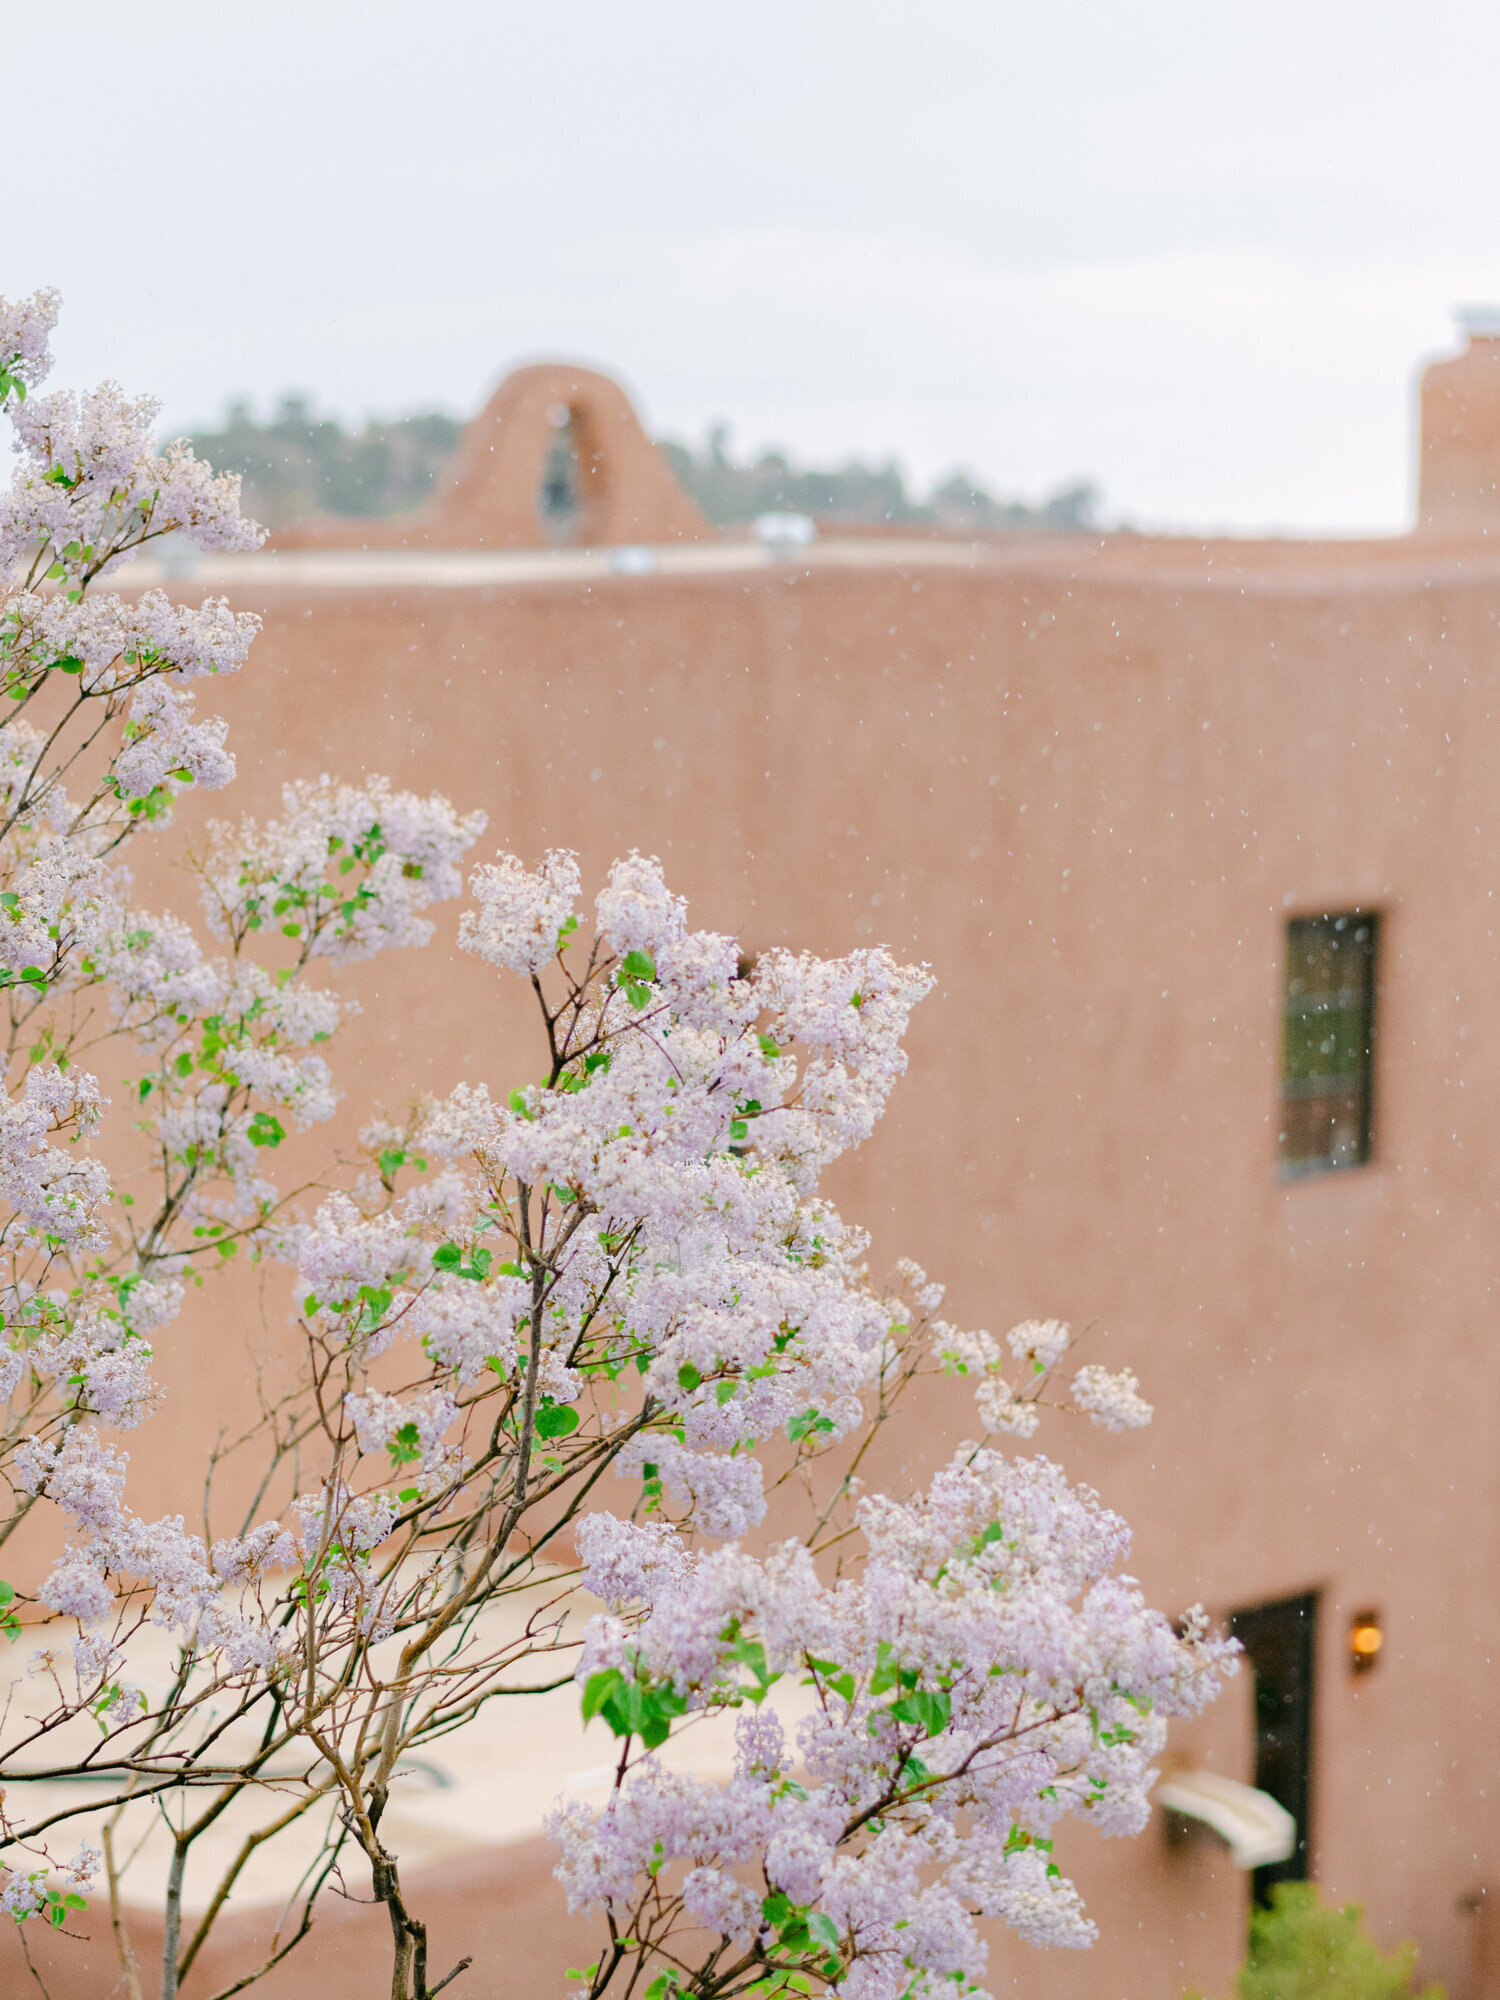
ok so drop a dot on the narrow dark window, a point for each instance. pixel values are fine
(1279, 1640)
(559, 500)
(1328, 1044)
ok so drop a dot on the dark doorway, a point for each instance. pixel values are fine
(1279, 1642)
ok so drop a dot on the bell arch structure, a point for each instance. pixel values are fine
(492, 494)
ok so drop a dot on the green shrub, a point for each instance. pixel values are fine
(1300, 1949)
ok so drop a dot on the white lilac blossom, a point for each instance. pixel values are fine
(989, 1674)
(521, 916)
(157, 973)
(1114, 1402)
(90, 479)
(1039, 1342)
(117, 644)
(471, 1327)
(25, 329)
(163, 741)
(627, 1562)
(55, 1195)
(348, 870)
(1004, 1411)
(57, 911)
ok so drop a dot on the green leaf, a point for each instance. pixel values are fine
(556, 1420)
(808, 1422)
(639, 965)
(405, 1446)
(688, 1376)
(449, 1258)
(631, 1708)
(656, 1722)
(925, 1711)
(390, 1162)
(726, 1393)
(886, 1675)
(34, 976)
(68, 664)
(376, 1300)
(597, 1689)
(769, 1047)
(752, 1654)
(823, 1929)
(266, 1130)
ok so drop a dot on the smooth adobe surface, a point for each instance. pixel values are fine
(1091, 784)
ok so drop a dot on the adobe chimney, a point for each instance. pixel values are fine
(1459, 475)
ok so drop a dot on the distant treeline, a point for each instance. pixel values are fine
(854, 493)
(296, 464)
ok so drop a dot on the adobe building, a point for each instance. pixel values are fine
(1203, 842)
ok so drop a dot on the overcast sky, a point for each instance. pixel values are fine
(1191, 250)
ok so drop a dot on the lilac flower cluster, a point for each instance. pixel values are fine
(1011, 1405)
(623, 1265)
(649, 1214)
(349, 870)
(90, 479)
(988, 1673)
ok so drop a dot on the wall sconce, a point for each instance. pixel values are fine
(1365, 1641)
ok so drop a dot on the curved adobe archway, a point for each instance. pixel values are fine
(490, 495)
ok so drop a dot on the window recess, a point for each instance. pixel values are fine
(1328, 1043)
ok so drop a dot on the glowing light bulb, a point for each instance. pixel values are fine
(1365, 1640)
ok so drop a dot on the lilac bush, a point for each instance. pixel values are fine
(571, 1335)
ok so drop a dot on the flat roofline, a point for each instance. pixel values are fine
(1180, 563)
